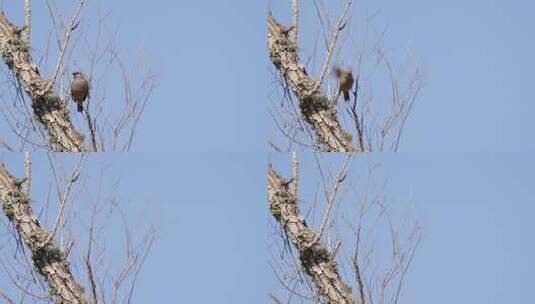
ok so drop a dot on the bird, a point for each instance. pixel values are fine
(346, 81)
(79, 90)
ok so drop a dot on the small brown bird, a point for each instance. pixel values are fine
(79, 90)
(346, 81)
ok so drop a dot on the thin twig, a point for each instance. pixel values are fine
(88, 265)
(27, 174)
(73, 24)
(5, 145)
(27, 22)
(356, 262)
(63, 199)
(91, 127)
(295, 172)
(295, 21)
(6, 298)
(358, 124)
(338, 179)
(341, 25)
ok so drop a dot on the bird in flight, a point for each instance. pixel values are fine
(346, 81)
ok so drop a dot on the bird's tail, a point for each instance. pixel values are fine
(80, 106)
(346, 95)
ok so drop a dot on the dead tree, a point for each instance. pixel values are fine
(315, 106)
(311, 263)
(48, 259)
(38, 260)
(46, 104)
(44, 121)
(306, 110)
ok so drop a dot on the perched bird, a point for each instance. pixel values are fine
(346, 81)
(79, 90)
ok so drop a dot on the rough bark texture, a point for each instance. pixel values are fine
(46, 105)
(316, 260)
(47, 258)
(315, 106)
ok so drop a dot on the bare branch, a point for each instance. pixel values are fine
(295, 174)
(27, 22)
(316, 260)
(362, 125)
(341, 25)
(316, 107)
(46, 104)
(340, 177)
(5, 145)
(73, 24)
(48, 260)
(27, 174)
(88, 265)
(91, 127)
(295, 21)
(64, 197)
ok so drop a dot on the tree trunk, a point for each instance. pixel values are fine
(47, 106)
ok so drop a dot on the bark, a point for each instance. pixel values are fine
(46, 104)
(47, 258)
(316, 108)
(316, 260)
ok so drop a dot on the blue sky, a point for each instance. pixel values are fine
(209, 212)
(213, 232)
(208, 185)
(214, 71)
(475, 210)
(474, 56)
(211, 63)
